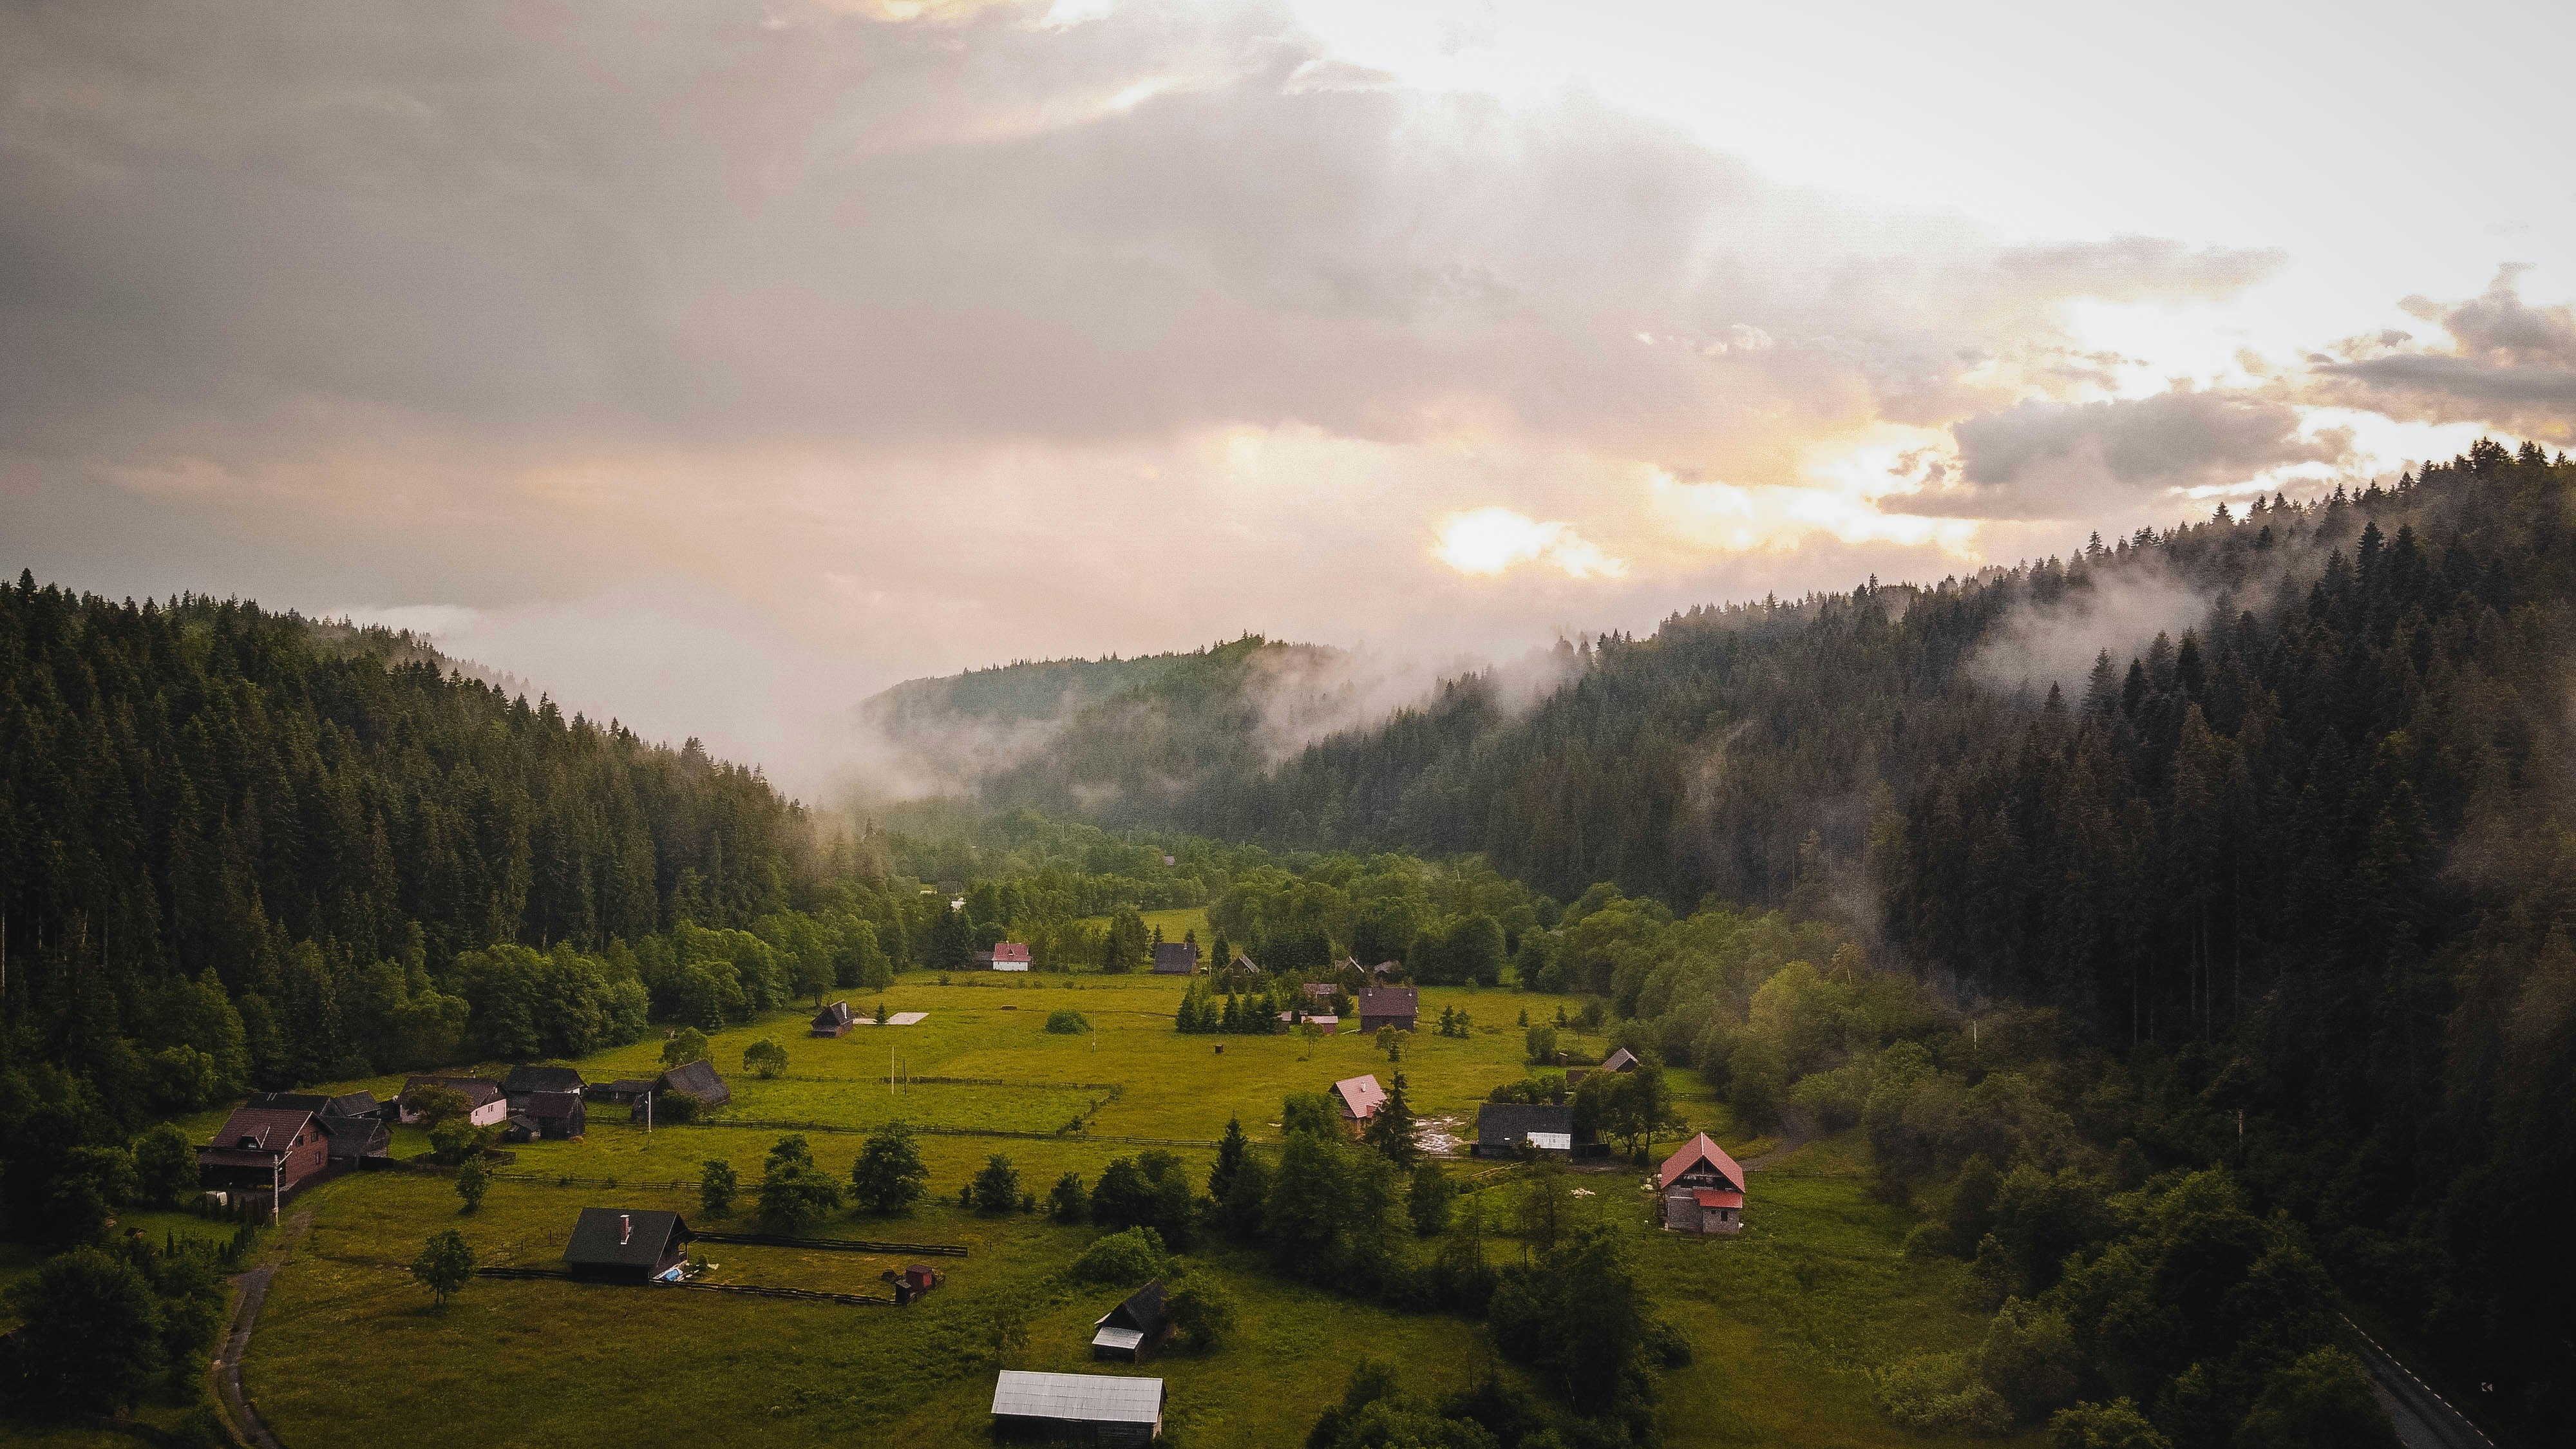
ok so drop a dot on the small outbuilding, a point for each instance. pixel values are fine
(1394, 1006)
(1622, 1060)
(1703, 1189)
(834, 1020)
(1176, 958)
(1005, 956)
(1503, 1129)
(911, 1281)
(1360, 1098)
(699, 1080)
(525, 1082)
(1083, 1408)
(559, 1116)
(1134, 1329)
(624, 1092)
(351, 1140)
(627, 1245)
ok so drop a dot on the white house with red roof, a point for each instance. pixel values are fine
(1005, 956)
(1703, 1189)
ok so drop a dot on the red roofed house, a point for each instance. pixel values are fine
(1360, 1098)
(1005, 956)
(1703, 1189)
(260, 1149)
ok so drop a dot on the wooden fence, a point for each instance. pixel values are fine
(837, 1245)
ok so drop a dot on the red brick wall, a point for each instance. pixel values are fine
(304, 1160)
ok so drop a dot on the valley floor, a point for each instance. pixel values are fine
(1784, 1321)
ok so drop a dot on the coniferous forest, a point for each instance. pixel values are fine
(2281, 884)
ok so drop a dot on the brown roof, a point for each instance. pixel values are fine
(477, 1091)
(1700, 1149)
(552, 1104)
(1390, 1001)
(261, 1129)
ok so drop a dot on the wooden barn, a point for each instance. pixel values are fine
(834, 1020)
(352, 1140)
(525, 1082)
(623, 1245)
(1078, 1408)
(1394, 1006)
(1503, 1129)
(1176, 958)
(699, 1080)
(1703, 1189)
(1622, 1060)
(1134, 1329)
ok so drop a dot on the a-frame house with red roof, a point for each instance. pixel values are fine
(1703, 1189)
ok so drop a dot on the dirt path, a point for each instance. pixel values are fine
(254, 1292)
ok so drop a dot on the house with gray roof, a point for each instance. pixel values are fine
(1503, 1129)
(627, 1245)
(699, 1080)
(1133, 1329)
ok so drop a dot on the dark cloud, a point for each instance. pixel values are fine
(2510, 365)
(2041, 459)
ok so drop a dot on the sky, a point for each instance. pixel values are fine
(712, 366)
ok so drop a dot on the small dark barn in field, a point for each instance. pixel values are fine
(1394, 1006)
(1504, 1128)
(620, 1245)
(699, 1080)
(525, 1082)
(355, 1139)
(1134, 1328)
(624, 1092)
(1077, 1408)
(1622, 1060)
(834, 1020)
(1176, 958)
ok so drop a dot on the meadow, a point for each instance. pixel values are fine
(1785, 1321)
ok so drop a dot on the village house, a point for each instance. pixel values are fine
(549, 1117)
(1360, 1098)
(260, 1148)
(1005, 956)
(1328, 1025)
(834, 1020)
(485, 1104)
(1703, 1189)
(1621, 1060)
(354, 1139)
(1394, 1006)
(1134, 1329)
(1503, 1129)
(347, 1104)
(623, 1245)
(525, 1082)
(699, 1080)
(1092, 1408)
(1176, 958)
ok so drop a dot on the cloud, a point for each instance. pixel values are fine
(2046, 459)
(1487, 542)
(2510, 365)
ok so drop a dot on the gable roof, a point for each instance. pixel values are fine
(347, 1104)
(1619, 1061)
(1697, 1150)
(261, 1129)
(1078, 1398)
(1361, 1096)
(356, 1136)
(1709, 1197)
(1515, 1121)
(1176, 958)
(836, 1014)
(1319, 988)
(1011, 951)
(1143, 1311)
(698, 1079)
(550, 1106)
(477, 1091)
(523, 1079)
(1390, 1001)
(601, 1237)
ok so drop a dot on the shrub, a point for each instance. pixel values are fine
(686, 1045)
(1541, 1043)
(888, 1176)
(1129, 1257)
(472, 1182)
(1200, 1310)
(675, 1108)
(1932, 1393)
(717, 1185)
(997, 1187)
(1066, 1201)
(2115, 1425)
(764, 1059)
(444, 1264)
(1067, 1023)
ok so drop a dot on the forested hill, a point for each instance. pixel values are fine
(206, 785)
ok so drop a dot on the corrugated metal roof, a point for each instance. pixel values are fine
(1552, 1141)
(1697, 1150)
(1119, 1338)
(1082, 1398)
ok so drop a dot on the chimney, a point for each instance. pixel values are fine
(625, 1229)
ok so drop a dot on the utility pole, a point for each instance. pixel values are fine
(648, 1111)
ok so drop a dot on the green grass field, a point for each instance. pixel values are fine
(1786, 1320)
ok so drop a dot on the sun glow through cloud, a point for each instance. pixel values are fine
(1489, 542)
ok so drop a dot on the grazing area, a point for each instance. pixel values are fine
(1783, 1331)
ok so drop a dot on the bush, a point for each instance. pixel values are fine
(1067, 1023)
(165, 1166)
(1199, 1309)
(1129, 1257)
(472, 1182)
(2321, 1398)
(764, 1059)
(2115, 1425)
(686, 1045)
(717, 1185)
(1932, 1393)
(675, 1108)
(1541, 1043)
(997, 1187)
(1066, 1201)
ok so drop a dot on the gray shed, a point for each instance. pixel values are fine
(1088, 1408)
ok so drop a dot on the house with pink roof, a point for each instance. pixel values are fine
(1703, 1189)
